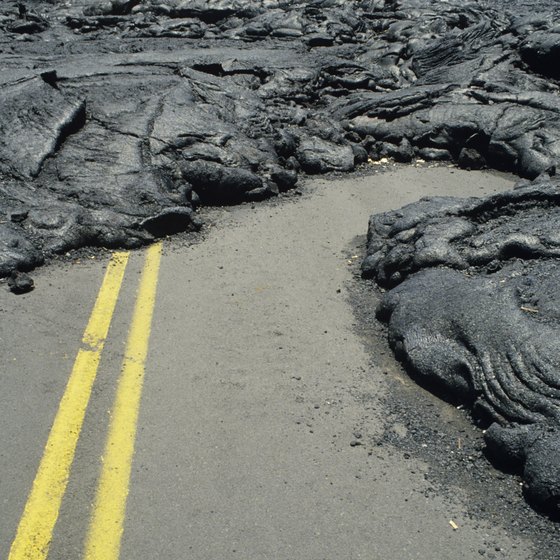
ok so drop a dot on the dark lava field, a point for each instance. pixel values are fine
(120, 117)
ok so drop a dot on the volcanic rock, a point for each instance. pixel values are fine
(115, 111)
(20, 282)
(474, 313)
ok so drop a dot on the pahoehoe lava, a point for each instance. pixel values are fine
(119, 117)
(124, 114)
(474, 310)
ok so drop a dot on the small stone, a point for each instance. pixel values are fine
(20, 282)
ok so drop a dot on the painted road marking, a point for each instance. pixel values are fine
(35, 529)
(106, 527)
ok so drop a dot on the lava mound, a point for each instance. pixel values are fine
(473, 310)
(117, 113)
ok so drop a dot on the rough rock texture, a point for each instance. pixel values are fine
(117, 112)
(120, 116)
(474, 311)
(20, 282)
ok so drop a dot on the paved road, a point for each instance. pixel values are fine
(251, 391)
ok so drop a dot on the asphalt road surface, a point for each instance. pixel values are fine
(202, 400)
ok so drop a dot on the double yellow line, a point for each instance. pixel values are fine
(41, 511)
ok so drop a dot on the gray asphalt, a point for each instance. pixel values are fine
(253, 393)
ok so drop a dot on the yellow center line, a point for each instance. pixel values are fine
(105, 531)
(35, 529)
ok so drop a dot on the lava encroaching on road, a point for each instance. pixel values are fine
(121, 117)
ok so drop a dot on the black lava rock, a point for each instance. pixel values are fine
(474, 313)
(170, 221)
(20, 282)
(126, 105)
